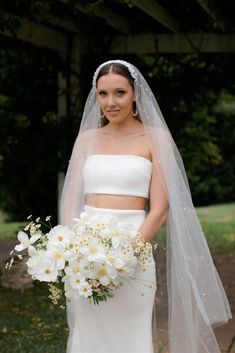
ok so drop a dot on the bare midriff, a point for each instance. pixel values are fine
(120, 202)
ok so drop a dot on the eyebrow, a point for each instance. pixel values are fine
(116, 89)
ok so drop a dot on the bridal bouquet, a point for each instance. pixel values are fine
(90, 260)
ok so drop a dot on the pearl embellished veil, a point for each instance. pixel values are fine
(196, 298)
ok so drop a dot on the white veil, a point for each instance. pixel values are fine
(196, 298)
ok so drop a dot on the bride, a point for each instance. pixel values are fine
(125, 162)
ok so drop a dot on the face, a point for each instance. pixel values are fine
(115, 96)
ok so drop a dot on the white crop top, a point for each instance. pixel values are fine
(117, 175)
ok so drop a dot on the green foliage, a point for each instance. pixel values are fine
(101, 295)
(191, 92)
(29, 130)
(218, 224)
(31, 323)
(8, 231)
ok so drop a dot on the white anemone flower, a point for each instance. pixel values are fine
(77, 280)
(79, 228)
(94, 251)
(103, 273)
(85, 290)
(57, 252)
(36, 257)
(25, 241)
(60, 235)
(106, 233)
(72, 250)
(106, 221)
(114, 259)
(42, 267)
(129, 267)
(70, 292)
(75, 266)
(122, 235)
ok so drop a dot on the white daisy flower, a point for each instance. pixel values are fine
(25, 241)
(85, 290)
(60, 235)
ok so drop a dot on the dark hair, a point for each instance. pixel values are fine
(121, 70)
(118, 69)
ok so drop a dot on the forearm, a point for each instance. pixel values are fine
(152, 224)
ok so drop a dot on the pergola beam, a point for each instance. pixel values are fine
(112, 19)
(39, 34)
(158, 13)
(174, 43)
(213, 11)
(42, 35)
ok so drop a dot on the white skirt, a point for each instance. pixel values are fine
(122, 324)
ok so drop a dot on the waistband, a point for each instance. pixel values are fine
(112, 210)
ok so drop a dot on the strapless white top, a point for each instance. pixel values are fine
(117, 175)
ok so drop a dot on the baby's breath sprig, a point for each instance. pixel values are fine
(143, 250)
(56, 295)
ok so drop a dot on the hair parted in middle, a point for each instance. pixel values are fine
(121, 70)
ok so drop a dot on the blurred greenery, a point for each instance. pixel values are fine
(9, 230)
(218, 224)
(195, 91)
(29, 134)
(30, 322)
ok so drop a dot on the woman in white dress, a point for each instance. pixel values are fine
(124, 156)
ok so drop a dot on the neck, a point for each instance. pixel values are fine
(124, 126)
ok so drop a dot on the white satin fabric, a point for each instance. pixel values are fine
(123, 324)
(117, 174)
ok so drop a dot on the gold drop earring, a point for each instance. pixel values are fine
(135, 111)
(101, 114)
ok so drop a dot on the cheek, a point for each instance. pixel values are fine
(127, 101)
(100, 101)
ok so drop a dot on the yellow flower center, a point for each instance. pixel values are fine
(78, 280)
(76, 269)
(60, 237)
(57, 255)
(47, 271)
(110, 259)
(93, 249)
(102, 272)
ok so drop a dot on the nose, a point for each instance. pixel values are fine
(110, 101)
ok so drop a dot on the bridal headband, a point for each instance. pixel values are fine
(122, 62)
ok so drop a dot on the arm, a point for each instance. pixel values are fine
(158, 205)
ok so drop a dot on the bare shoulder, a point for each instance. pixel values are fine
(87, 134)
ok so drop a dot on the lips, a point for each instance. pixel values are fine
(113, 112)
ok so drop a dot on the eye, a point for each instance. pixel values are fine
(120, 92)
(102, 93)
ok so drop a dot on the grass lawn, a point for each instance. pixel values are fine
(218, 224)
(29, 323)
(9, 231)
